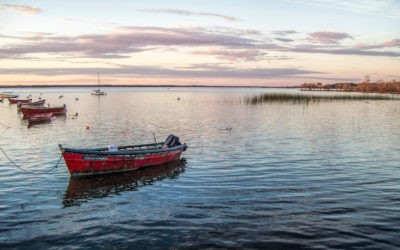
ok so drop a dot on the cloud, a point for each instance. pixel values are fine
(284, 32)
(282, 39)
(388, 44)
(258, 73)
(326, 37)
(122, 42)
(341, 51)
(190, 13)
(386, 8)
(233, 54)
(22, 9)
(222, 43)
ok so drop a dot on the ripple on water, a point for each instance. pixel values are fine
(283, 177)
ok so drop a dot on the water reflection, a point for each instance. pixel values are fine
(92, 187)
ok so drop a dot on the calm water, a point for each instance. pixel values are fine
(273, 176)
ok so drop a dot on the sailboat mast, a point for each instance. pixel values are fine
(98, 80)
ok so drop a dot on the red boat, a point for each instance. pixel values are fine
(30, 111)
(39, 118)
(123, 158)
(15, 101)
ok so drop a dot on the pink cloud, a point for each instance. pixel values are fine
(388, 44)
(122, 42)
(198, 71)
(191, 13)
(326, 37)
(223, 43)
(234, 54)
(22, 9)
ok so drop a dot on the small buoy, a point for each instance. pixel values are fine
(76, 99)
(87, 127)
(178, 98)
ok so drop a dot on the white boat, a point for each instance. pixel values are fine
(98, 91)
(8, 95)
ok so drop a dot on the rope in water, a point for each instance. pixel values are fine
(7, 128)
(5, 125)
(26, 171)
(16, 165)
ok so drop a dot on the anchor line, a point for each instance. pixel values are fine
(5, 125)
(4, 132)
(26, 171)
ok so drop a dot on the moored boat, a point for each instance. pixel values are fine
(15, 100)
(8, 95)
(98, 91)
(39, 118)
(39, 103)
(121, 158)
(57, 110)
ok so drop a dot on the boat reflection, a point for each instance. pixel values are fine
(92, 187)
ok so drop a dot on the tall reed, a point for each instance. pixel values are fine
(303, 98)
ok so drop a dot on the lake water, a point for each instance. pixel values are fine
(274, 176)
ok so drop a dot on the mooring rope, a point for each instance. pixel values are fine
(26, 171)
(5, 125)
(7, 128)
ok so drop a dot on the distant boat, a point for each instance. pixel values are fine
(31, 111)
(8, 95)
(39, 103)
(121, 158)
(98, 91)
(16, 101)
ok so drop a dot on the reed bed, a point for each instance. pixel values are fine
(303, 98)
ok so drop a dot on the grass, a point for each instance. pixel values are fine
(304, 98)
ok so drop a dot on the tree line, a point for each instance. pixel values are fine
(392, 87)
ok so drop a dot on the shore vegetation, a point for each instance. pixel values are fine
(307, 98)
(383, 87)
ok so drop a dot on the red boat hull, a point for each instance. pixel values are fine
(31, 111)
(15, 101)
(88, 164)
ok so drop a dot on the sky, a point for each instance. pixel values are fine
(203, 42)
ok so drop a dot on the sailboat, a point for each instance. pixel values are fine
(98, 91)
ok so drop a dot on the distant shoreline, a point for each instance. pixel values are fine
(143, 86)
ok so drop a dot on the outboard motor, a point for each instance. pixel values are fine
(172, 141)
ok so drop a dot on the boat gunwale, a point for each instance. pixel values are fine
(43, 108)
(121, 151)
